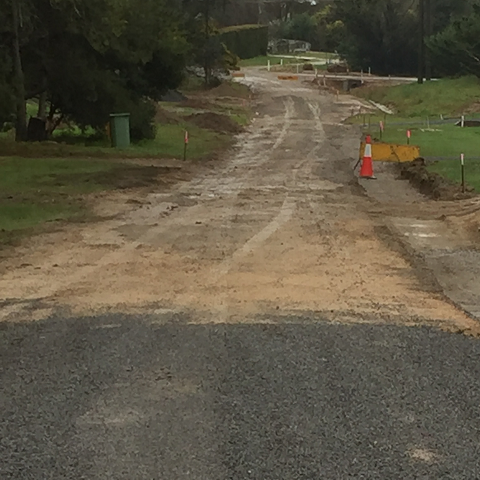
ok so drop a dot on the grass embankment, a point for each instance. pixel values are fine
(43, 183)
(439, 97)
(420, 108)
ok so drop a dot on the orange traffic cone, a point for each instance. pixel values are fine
(366, 171)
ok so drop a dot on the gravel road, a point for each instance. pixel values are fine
(156, 398)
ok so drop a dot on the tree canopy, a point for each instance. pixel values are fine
(456, 49)
(384, 34)
(83, 60)
(89, 59)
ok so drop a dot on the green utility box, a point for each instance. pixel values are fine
(120, 130)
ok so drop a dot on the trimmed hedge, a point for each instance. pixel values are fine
(246, 41)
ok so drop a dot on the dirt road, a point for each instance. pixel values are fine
(280, 225)
(248, 319)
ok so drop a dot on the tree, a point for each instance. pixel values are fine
(89, 59)
(317, 26)
(384, 34)
(378, 34)
(300, 27)
(456, 50)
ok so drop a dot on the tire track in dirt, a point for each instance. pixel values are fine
(286, 211)
(303, 167)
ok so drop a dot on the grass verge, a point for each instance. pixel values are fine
(451, 169)
(167, 144)
(35, 191)
(44, 183)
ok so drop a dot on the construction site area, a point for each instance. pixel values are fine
(253, 316)
(282, 222)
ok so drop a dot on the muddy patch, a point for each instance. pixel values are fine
(124, 177)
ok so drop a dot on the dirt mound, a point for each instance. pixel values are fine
(338, 68)
(469, 108)
(433, 184)
(229, 90)
(214, 121)
(164, 116)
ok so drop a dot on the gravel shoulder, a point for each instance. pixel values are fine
(440, 235)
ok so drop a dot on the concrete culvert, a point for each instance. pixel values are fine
(469, 123)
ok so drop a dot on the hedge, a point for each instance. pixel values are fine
(246, 41)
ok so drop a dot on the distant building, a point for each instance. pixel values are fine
(284, 46)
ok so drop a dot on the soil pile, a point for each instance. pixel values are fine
(433, 184)
(228, 90)
(214, 121)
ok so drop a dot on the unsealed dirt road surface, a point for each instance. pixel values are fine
(258, 320)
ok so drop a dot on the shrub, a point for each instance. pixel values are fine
(246, 41)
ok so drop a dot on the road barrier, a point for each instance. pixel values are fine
(390, 152)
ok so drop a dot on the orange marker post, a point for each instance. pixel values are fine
(185, 146)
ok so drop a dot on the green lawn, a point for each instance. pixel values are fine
(435, 98)
(35, 191)
(170, 142)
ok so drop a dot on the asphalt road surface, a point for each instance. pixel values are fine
(157, 398)
(257, 322)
